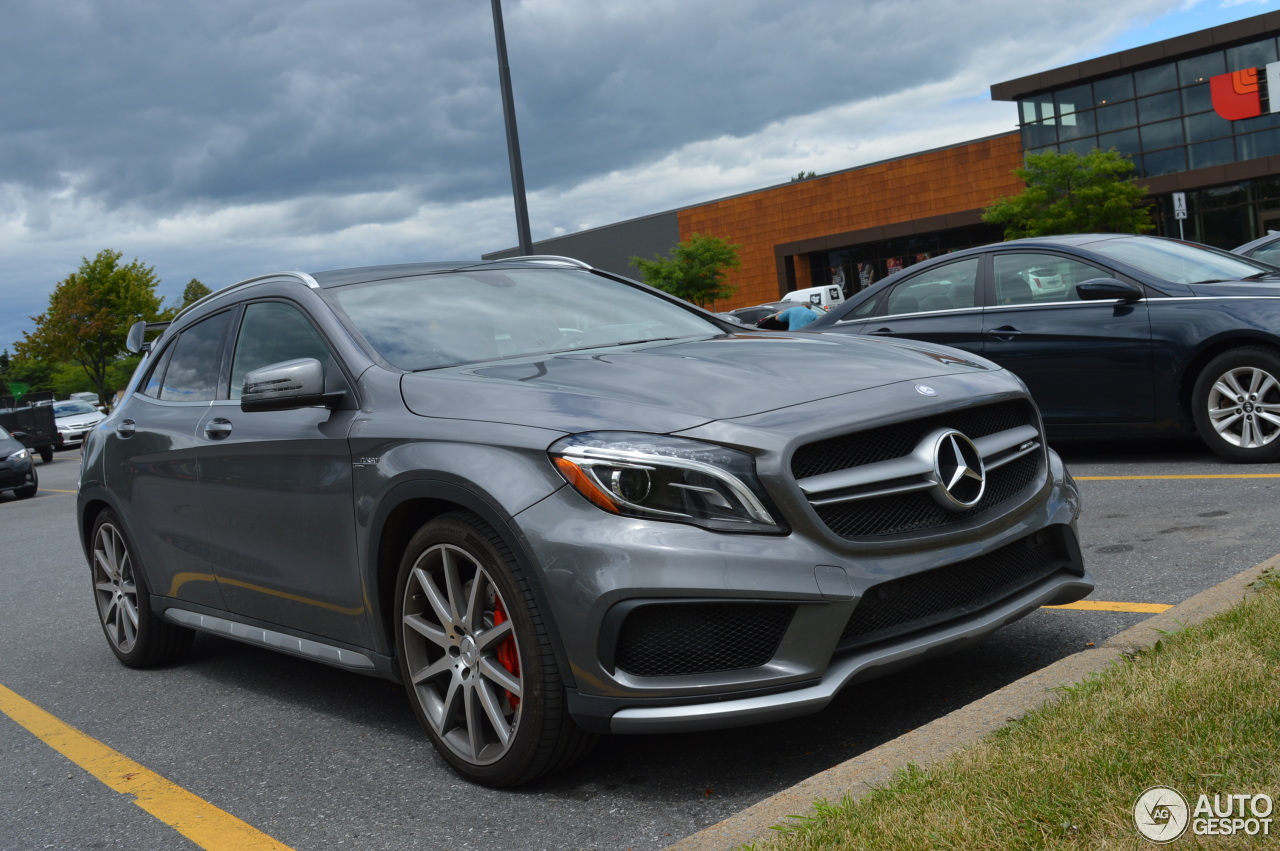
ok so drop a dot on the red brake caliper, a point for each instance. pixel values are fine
(507, 655)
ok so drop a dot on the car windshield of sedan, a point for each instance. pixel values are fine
(70, 409)
(437, 320)
(1180, 263)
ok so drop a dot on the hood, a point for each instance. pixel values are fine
(666, 387)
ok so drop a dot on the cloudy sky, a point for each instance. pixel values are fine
(228, 139)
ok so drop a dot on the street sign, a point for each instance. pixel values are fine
(1179, 205)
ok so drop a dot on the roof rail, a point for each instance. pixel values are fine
(535, 258)
(301, 276)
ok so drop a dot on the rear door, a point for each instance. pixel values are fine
(941, 304)
(151, 465)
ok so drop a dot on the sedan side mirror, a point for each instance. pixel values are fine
(1103, 289)
(286, 385)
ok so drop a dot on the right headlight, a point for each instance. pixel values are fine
(667, 478)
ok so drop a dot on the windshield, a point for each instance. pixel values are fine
(459, 317)
(1179, 262)
(67, 409)
(4, 435)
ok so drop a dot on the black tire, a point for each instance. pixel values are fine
(476, 659)
(1236, 405)
(138, 637)
(28, 490)
(46, 453)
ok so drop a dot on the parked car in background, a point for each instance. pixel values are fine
(17, 467)
(752, 315)
(75, 419)
(1264, 248)
(1113, 334)
(91, 398)
(637, 519)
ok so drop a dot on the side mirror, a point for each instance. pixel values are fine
(1104, 289)
(285, 386)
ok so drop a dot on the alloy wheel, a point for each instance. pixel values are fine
(115, 588)
(462, 657)
(1244, 407)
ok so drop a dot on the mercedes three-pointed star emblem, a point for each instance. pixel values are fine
(960, 475)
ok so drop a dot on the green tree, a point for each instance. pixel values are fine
(695, 271)
(804, 175)
(89, 316)
(1070, 193)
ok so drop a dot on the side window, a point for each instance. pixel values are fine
(951, 286)
(1031, 278)
(151, 387)
(192, 372)
(272, 332)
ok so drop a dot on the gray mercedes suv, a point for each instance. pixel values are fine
(554, 503)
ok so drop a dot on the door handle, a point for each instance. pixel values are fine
(880, 332)
(1007, 333)
(217, 429)
(126, 428)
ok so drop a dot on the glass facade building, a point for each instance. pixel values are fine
(1155, 105)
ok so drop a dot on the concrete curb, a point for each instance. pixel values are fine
(942, 737)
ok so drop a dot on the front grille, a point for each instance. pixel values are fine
(903, 513)
(666, 639)
(911, 512)
(925, 599)
(898, 439)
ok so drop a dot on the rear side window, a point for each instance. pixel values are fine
(191, 374)
(948, 287)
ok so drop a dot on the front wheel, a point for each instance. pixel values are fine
(137, 636)
(1236, 403)
(476, 658)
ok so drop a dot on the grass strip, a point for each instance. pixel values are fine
(1199, 711)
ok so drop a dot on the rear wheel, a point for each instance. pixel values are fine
(46, 453)
(1237, 405)
(137, 636)
(476, 659)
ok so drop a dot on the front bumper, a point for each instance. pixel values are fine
(597, 569)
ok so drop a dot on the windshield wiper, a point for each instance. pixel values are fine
(1260, 275)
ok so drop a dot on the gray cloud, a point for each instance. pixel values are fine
(279, 127)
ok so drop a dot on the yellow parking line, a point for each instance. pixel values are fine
(1141, 478)
(193, 817)
(1104, 606)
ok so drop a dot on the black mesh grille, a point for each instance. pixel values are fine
(664, 639)
(898, 439)
(911, 512)
(935, 596)
(901, 514)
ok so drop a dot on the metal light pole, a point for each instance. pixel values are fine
(513, 139)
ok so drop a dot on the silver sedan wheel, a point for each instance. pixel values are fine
(115, 588)
(1244, 407)
(461, 653)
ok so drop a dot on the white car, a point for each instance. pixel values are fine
(74, 419)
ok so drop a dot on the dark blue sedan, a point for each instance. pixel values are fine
(1113, 334)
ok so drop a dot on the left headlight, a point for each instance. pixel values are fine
(21, 455)
(667, 478)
